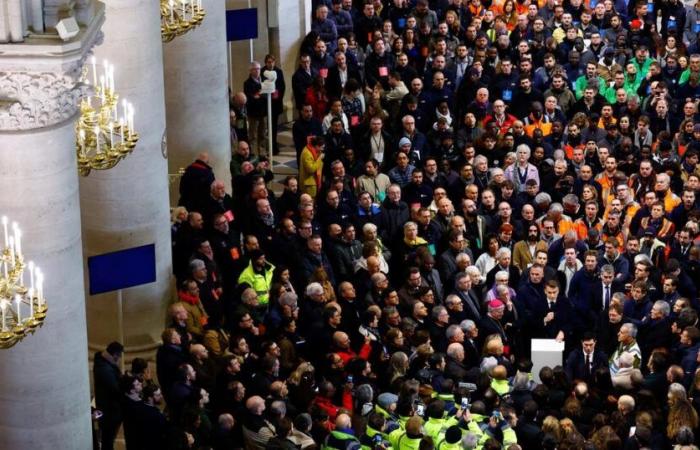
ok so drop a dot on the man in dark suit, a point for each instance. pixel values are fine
(471, 344)
(503, 263)
(339, 74)
(583, 362)
(553, 315)
(463, 290)
(655, 331)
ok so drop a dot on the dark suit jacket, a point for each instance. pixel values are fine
(513, 279)
(333, 85)
(471, 305)
(575, 365)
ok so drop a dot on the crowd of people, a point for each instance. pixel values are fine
(473, 175)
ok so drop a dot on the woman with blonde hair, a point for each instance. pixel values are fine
(321, 277)
(550, 425)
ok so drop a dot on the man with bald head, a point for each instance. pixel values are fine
(342, 348)
(257, 430)
(343, 435)
(204, 366)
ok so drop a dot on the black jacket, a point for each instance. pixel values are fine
(107, 392)
(575, 365)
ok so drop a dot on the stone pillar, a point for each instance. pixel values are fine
(196, 104)
(285, 40)
(45, 388)
(127, 206)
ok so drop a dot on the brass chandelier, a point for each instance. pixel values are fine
(105, 130)
(22, 309)
(177, 17)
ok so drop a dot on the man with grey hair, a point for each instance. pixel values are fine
(470, 344)
(453, 334)
(503, 263)
(463, 290)
(655, 330)
(439, 323)
(627, 342)
(623, 378)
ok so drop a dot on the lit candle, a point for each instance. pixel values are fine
(40, 287)
(18, 240)
(97, 138)
(94, 71)
(111, 136)
(121, 127)
(192, 5)
(81, 139)
(125, 113)
(4, 226)
(31, 302)
(19, 311)
(30, 266)
(131, 119)
(199, 4)
(171, 3)
(12, 250)
(3, 307)
(183, 9)
(102, 85)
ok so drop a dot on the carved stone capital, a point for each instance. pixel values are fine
(38, 99)
(39, 81)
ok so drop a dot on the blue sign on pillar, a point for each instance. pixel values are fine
(122, 269)
(241, 24)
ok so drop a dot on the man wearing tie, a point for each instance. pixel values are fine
(463, 289)
(584, 361)
(557, 314)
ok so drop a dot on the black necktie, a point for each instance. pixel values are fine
(607, 298)
(588, 363)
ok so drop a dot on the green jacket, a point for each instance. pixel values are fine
(435, 428)
(367, 440)
(500, 386)
(261, 282)
(582, 83)
(641, 69)
(400, 441)
(338, 440)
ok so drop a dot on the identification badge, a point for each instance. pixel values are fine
(507, 95)
(650, 7)
(229, 216)
(383, 71)
(401, 22)
(696, 27)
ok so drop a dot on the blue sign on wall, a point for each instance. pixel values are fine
(122, 269)
(241, 24)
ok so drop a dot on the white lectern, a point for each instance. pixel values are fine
(545, 352)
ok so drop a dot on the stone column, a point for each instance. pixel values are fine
(127, 206)
(196, 103)
(45, 388)
(285, 40)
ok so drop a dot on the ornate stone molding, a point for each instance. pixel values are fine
(39, 81)
(40, 99)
